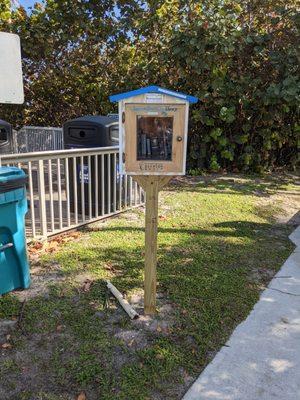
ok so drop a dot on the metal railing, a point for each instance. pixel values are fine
(70, 188)
(37, 138)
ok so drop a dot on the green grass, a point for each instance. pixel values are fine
(217, 249)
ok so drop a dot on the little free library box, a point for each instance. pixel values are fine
(153, 126)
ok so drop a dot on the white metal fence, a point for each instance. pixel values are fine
(70, 188)
(37, 138)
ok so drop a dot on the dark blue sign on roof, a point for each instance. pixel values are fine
(152, 89)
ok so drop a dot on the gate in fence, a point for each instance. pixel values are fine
(70, 188)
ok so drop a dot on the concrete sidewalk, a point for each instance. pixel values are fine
(261, 360)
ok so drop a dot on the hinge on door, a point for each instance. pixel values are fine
(123, 157)
(123, 117)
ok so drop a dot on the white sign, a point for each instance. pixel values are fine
(154, 98)
(84, 174)
(11, 79)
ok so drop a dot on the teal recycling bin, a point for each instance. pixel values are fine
(14, 268)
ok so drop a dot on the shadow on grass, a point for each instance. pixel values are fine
(204, 274)
(234, 229)
(199, 252)
(248, 185)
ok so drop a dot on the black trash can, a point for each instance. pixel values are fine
(88, 132)
(6, 137)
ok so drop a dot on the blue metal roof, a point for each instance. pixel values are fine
(152, 89)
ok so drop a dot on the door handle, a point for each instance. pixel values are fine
(6, 246)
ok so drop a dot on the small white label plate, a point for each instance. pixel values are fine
(154, 98)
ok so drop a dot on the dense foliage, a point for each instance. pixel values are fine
(241, 58)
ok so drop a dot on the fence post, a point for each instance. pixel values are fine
(42, 198)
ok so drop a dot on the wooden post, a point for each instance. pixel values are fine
(151, 245)
(151, 185)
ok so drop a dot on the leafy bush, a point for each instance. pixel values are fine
(238, 57)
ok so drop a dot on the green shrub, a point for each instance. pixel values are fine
(239, 58)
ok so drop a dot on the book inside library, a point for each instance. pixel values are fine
(154, 138)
